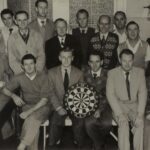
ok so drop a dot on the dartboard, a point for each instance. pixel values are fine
(81, 100)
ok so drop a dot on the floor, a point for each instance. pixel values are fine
(67, 143)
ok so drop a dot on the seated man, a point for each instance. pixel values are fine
(127, 95)
(35, 91)
(98, 126)
(61, 78)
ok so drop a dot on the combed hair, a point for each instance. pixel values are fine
(21, 12)
(38, 1)
(28, 56)
(109, 18)
(82, 11)
(97, 53)
(120, 12)
(127, 52)
(60, 20)
(67, 49)
(6, 11)
(131, 23)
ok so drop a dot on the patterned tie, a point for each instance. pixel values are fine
(66, 80)
(128, 85)
(62, 42)
(10, 31)
(103, 41)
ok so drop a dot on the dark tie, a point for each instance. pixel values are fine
(103, 41)
(128, 85)
(94, 75)
(66, 80)
(10, 30)
(83, 31)
(43, 23)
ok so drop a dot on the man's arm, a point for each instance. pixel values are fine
(110, 93)
(142, 95)
(12, 57)
(40, 54)
(41, 103)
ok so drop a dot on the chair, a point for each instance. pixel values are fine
(45, 135)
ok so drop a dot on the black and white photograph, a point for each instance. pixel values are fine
(74, 74)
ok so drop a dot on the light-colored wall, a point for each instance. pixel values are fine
(3, 4)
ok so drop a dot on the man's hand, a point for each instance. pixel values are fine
(122, 120)
(62, 112)
(25, 114)
(97, 114)
(2, 84)
(17, 100)
(139, 121)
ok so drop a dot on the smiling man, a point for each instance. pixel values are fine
(127, 95)
(139, 47)
(34, 102)
(25, 41)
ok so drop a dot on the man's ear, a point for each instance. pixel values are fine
(72, 58)
(59, 58)
(22, 66)
(102, 62)
(15, 21)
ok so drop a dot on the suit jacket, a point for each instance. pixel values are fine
(117, 92)
(48, 31)
(109, 49)
(17, 48)
(55, 78)
(53, 47)
(99, 83)
(84, 40)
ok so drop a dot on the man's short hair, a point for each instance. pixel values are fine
(127, 52)
(96, 53)
(82, 11)
(38, 1)
(122, 13)
(60, 20)
(67, 49)
(6, 11)
(109, 18)
(21, 12)
(132, 23)
(28, 56)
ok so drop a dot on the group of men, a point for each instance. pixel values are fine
(41, 61)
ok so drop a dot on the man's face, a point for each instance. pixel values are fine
(126, 62)
(7, 20)
(95, 62)
(104, 25)
(29, 66)
(61, 28)
(82, 20)
(42, 9)
(66, 59)
(120, 21)
(22, 21)
(132, 32)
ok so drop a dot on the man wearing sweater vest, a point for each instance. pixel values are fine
(25, 41)
(105, 42)
(140, 48)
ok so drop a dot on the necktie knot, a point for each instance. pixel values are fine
(94, 75)
(10, 30)
(43, 23)
(127, 74)
(82, 31)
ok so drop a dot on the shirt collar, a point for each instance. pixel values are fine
(27, 32)
(60, 38)
(31, 77)
(135, 48)
(39, 21)
(103, 34)
(85, 29)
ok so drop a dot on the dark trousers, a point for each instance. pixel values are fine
(98, 129)
(57, 126)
